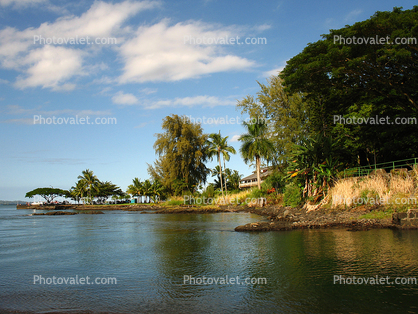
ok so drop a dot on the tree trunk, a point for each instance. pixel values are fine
(257, 162)
(220, 172)
(226, 190)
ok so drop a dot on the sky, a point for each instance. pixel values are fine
(86, 84)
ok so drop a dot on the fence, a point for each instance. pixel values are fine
(387, 166)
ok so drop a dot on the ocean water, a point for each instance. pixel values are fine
(146, 263)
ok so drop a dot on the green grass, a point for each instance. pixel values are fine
(378, 214)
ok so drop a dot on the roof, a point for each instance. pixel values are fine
(264, 172)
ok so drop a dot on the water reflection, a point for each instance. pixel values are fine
(150, 255)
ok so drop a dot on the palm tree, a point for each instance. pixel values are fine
(156, 190)
(226, 156)
(146, 189)
(218, 145)
(78, 191)
(256, 145)
(136, 188)
(89, 180)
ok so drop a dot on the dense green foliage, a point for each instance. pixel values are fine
(89, 187)
(285, 114)
(292, 195)
(182, 155)
(363, 81)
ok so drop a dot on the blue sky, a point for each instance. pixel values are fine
(157, 59)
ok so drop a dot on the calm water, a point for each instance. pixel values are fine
(149, 255)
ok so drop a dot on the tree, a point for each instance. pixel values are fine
(256, 145)
(90, 181)
(147, 189)
(233, 179)
(225, 153)
(287, 115)
(316, 164)
(156, 190)
(47, 193)
(136, 188)
(182, 154)
(363, 80)
(218, 145)
(78, 191)
(107, 189)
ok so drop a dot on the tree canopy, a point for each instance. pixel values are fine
(182, 155)
(377, 76)
(47, 193)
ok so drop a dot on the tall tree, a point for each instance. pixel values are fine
(90, 181)
(182, 154)
(286, 114)
(365, 70)
(218, 145)
(136, 188)
(256, 145)
(78, 191)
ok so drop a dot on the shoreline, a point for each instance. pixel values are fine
(286, 219)
(280, 218)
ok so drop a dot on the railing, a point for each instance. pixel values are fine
(249, 184)
(390, 165)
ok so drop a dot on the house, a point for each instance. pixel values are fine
(251, 180)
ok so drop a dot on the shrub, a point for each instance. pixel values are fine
(292, 195)
(276, 181)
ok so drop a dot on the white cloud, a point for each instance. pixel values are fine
(158, 52)
(18, 110)
(27, 121)
(234, 138)
(148, 91)
(262, 27)
(203, 101)
(143, 124)
(124, 99)
(20, 3)
(22, 50)
(163, 53)
(273, 72)
(50, 66)
(352, 15)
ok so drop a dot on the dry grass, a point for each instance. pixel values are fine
(402, 185)
(375, 189)
(233, 199)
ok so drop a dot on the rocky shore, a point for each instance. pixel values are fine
(281, 219)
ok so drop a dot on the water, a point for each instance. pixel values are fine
(150, 254)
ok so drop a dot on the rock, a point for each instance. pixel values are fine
(92, 212)
(56, 213)
(286, 213)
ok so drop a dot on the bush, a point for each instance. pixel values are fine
(292, 195)
(175, 201)
(276, 181)
(209, 192)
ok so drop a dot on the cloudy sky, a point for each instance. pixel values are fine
(122, 66)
